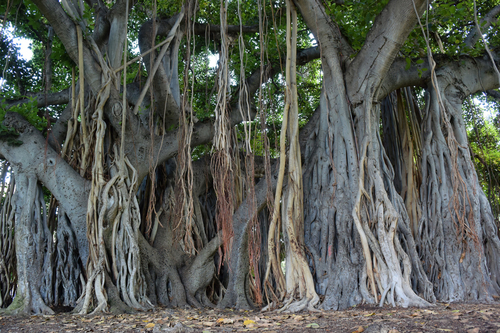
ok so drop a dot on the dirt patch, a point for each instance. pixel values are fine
(470, 318)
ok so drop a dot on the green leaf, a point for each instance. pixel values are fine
(408, 63)
(420, 61)
(312, 325)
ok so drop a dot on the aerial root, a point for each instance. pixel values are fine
(292, 305)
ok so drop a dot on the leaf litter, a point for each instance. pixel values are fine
(454, 317)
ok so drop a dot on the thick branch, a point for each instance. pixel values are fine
(165, 81)
(65, 29)
(42, 99)
(398, 76)
(494, 94)
(34, 156)
(323, 28)
(201, 29)
(389, 31)
(58, 133)
(475, 74)
(118, 19)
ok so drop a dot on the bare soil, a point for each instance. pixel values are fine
(470, 318)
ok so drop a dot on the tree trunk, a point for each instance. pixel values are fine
(457, 236)
(348, 177)
(33, 248)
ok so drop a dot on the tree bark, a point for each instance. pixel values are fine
(457, 237)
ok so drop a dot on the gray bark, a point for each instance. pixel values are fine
(35, 157)
(44, 99)
(237, 289)
(457, 235)
(332, 174)
(31, 238)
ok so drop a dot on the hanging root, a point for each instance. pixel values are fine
(300, 289)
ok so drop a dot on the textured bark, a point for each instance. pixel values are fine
(8, 271)
(349, 177)
(368, 236)
(34, 156)
(44, 99)
(33, 161)
(166, 79)
(237, 290)
(457, 237)
(33, 248)
(330, 181)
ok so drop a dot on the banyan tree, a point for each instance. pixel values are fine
(290, 155)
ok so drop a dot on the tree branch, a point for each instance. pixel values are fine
(490, 18)
(323, 28)
(58, 132)
(474, 74)
(390, 29)
(118, 18)
(494, 94)
(166, 146)
(65, 29)
(33, 155)
(42, 99)
(165, 83)
(201, 29)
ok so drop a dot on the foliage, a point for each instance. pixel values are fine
(484, 141)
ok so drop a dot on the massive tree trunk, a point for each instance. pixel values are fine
(357, 226)
(33, 247)
(457, 236)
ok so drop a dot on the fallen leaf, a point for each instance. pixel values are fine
(225, 321)
(150, 325)
(474, 330)
(312, 325)
(208, 323)
(248, 322)
(444, 329)
(370, 314)
(298, 318)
